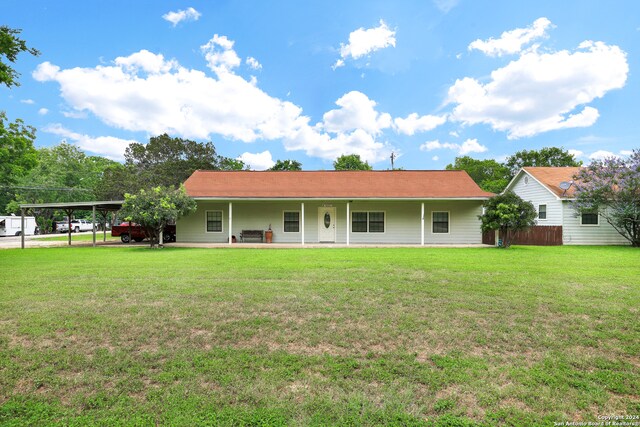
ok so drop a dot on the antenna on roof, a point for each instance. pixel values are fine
(565, 185)
(393, 157)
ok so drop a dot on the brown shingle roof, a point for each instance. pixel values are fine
(334, 184)
(551, 177)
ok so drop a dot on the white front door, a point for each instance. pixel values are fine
(327, 224)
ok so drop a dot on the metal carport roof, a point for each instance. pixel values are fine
(70, 207)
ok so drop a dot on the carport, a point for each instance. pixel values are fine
(103, 208)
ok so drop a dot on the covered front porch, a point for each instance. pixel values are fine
(333, 222)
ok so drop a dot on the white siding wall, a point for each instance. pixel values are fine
(402, 221)
(537, 194)
(464, 225)
(573, 233)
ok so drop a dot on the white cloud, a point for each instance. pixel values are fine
(445, 5)
(602, 154)
(575, 153)
(108, 146)
(45, 71)
(220, 55)
(253, 63)
(28, 101)
(363, 42)
(147, 62)
(414, 123)
(175, 18)
(43, 111)
(454, 134)
(357, 112)
(258, 161)
(541, 92)
(75, 114)
(435, 158)
(146, 92)
(511, 42)
(468, 146)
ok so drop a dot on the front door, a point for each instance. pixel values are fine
(327, 224)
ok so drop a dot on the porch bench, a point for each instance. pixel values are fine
(252, 234)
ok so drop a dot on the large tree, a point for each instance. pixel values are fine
(155, 208)
(508, 213)
(548, 156)
(488, 174)
(351, 162)
(167, 161)
(63, 173)
(17, 156)
(286, 165)
(10, 46)
(611, 187)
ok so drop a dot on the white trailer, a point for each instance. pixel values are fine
(10, 225)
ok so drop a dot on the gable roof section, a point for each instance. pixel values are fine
(334, 185)
(551, 177)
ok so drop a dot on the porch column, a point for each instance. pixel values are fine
(348, 208)
(302, 220)
(93, 224)
(422, 225)
(22, 228)
(230, 222)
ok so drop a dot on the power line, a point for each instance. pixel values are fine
(22, 187)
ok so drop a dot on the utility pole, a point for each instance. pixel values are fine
(393, 157)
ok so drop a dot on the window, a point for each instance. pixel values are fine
(367, 222)
(214, 221)
(291, 222)
(542, 212)
(359, 222)
(589, 218)
(440, 222)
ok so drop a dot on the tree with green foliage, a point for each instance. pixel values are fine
(508, 213)
(611, 187)
(168, 162)
(548, 156)
(10, 46)
(63, 173)
(155, 208)
(351, 162)
(229, 164)
(286, 165)
(488, 174)
(17, 156)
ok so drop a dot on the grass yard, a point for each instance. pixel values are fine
(85, 237)
(400, 336)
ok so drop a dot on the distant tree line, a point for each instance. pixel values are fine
(493, 176)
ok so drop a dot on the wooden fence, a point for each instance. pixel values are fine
(539, 235)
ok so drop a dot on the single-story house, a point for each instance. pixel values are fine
(551, 191)
(345, 207)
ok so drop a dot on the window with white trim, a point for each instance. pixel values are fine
(589, 218)
(367, 222)
(291, 221)
(542, 211)
(214, 221)
(440, 222)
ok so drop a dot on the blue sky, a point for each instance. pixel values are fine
(428, 80)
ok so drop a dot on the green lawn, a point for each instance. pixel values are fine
(63, 237)
(401, 336)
